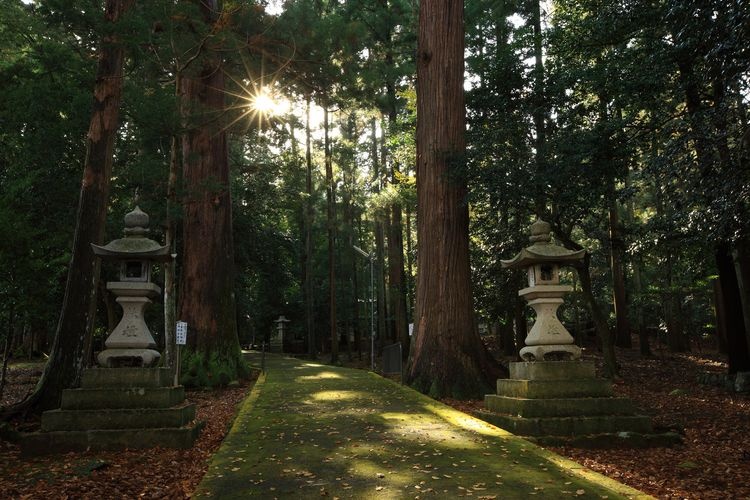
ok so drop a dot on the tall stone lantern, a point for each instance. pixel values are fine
(548, 339)
(131, 342)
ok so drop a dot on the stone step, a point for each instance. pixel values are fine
(124, 397)
(552, 370)
(126, 377)
(40, 443)
(127, 418)
(568, 426)
(559, 407)
(540, 389)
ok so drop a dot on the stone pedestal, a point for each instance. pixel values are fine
(131, 342)
(548, 338)
(117, 408)
(554, 402)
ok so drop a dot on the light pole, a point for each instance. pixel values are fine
(372, 303)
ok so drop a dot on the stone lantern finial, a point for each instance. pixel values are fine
(540, 232)
(136, 222)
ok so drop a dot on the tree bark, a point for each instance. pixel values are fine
(312, 349)
(206, 298)
(331, 224)
(379, 241)
(741, 256)
(676, 339)
(67, 356)
(448, 356)
(539, 112)
(738, 354)
(721, 317)
(600, 322)
(616, 252)
(6, 350)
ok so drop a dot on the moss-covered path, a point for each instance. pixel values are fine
(309, 430)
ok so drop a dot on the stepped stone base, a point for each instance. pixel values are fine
(114, 409)
(563, 402)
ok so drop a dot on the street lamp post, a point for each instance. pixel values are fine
(372, 303)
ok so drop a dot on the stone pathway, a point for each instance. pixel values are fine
(310, 430)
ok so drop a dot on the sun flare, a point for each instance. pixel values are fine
(266, 103)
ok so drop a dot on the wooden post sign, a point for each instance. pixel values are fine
(180, 339)
(181, 334)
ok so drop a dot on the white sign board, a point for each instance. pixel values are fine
(181, 336)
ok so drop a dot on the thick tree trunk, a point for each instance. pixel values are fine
(741, 256)
(312, 349)
(447, 356)
(206, 298)
(738, 353)
(67, 356)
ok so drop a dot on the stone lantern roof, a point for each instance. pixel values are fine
(542, 250)
(135, 244)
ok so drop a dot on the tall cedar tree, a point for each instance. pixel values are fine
(448, 357)
(68, 354)
(206, 297)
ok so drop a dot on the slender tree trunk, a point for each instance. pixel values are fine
(539, 112)
(643, 341)
(410, 269)
(600, 322)
(676, 339)
(721, 317)
(379, 241)
(617, 251)
(331, 223)
(520, 326)
(10, 335)
(397, 280)
(447, 355)
(67, 356)
(170, 267)
(312, 349)
(207, 281)
(603, 332)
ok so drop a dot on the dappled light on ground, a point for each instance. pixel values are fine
(337, 395)
(356, 435)
(318, 376)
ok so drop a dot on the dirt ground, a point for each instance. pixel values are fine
(714, 460)
(156, 473)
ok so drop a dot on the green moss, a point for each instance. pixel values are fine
(213, 370)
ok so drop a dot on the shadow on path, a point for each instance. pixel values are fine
(310, 430)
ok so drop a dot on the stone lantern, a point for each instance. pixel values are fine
(277, 340)
(131, 343)
(548, 338)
